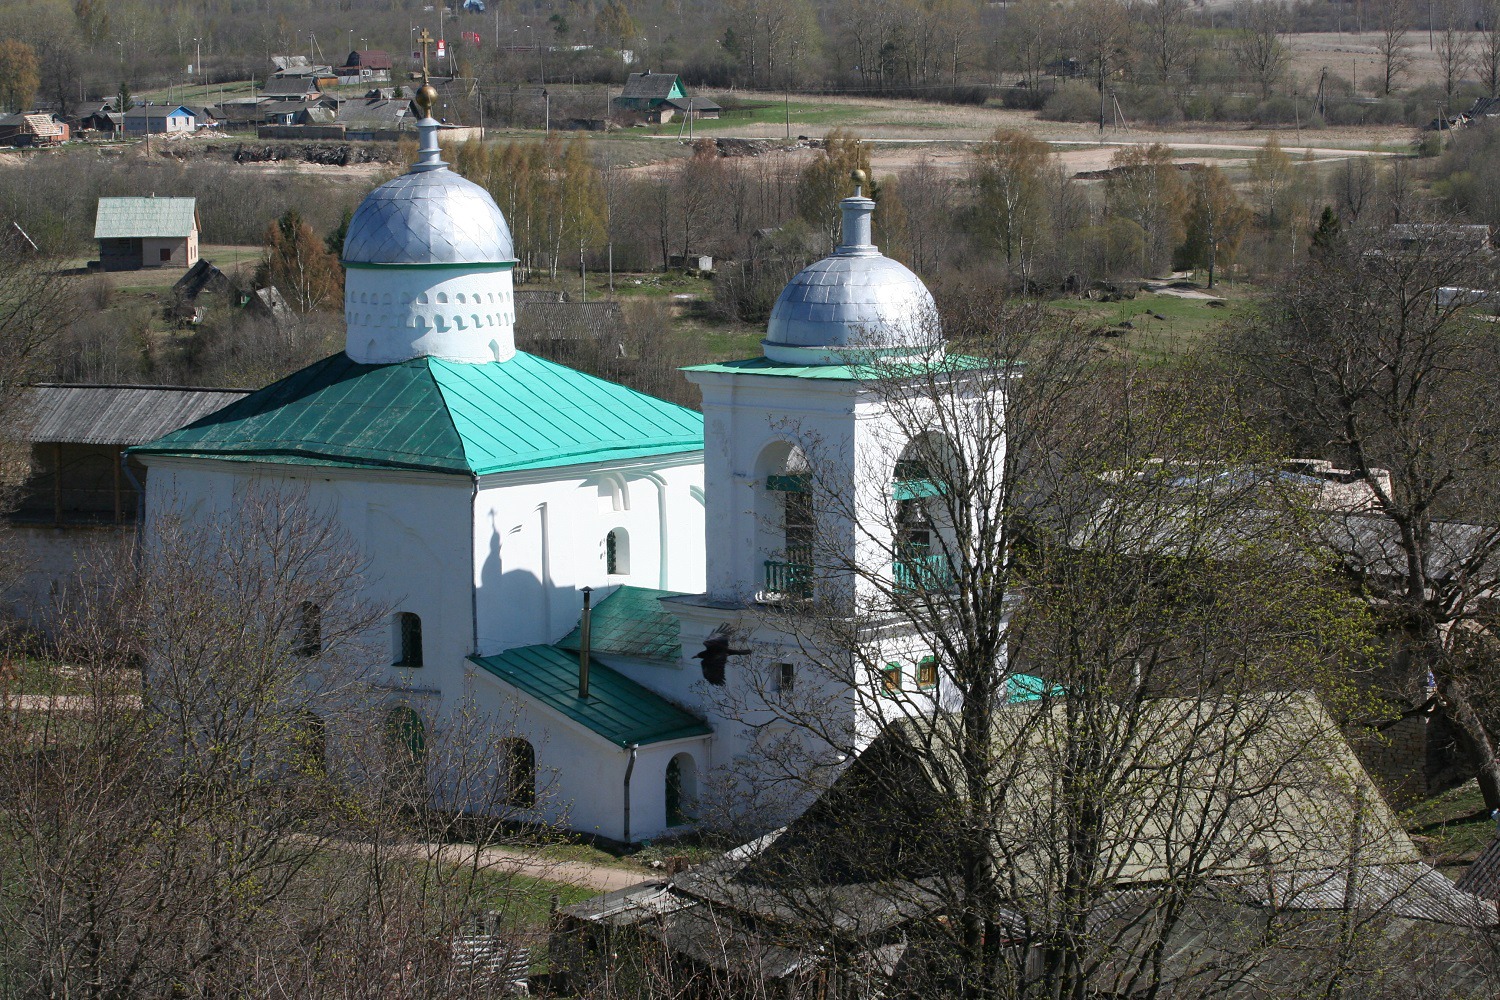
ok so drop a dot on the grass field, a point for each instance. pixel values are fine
(1160, 326)
(1452, 827)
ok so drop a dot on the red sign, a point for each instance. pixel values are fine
(472, 37)
(442, 52)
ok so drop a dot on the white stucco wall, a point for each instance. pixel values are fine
(516, 553)
(539, 539)
(56, 564)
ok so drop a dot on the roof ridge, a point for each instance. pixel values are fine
(463, 444)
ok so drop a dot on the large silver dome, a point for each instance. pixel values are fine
(428, 216)
(857, 297)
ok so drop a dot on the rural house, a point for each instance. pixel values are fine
(365, 66)
(37, 129)
(656, 97)
(159, 119)
(135, 233)
(291, 88)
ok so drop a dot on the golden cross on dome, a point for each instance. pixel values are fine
(425, 41)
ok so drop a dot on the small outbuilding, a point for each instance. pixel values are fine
(136, 233)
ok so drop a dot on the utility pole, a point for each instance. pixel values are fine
(547, 104)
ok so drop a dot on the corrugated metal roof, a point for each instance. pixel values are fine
(440, 416)
(617, 708)
(117, 414)
(136, 218)
(631, 622)
(652, 85)
(1482, 878)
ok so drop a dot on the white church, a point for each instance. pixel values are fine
(492, 491)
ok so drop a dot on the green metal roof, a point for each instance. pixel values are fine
(631, 622)
(440, 416)
(617, 708)
(838, 373)
(137, 218)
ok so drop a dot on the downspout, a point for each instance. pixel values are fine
(629, 768)
(140, 491)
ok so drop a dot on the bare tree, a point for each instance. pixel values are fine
(1258, 45)
(1454, 45)
(1393, 22)
(254, 815)
(1370, 355)
(1167, 37)
(1487, 58)
(1066, 575)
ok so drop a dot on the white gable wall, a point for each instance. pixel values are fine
(539, 539)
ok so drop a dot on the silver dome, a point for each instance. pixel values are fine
(857, 297)
(428, 217)
(855, 300)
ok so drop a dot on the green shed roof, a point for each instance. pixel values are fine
(145, 218)
(617, 708)
(631, 622)
(441, 416)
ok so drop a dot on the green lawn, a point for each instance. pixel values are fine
(759, 113)
(1453, 826)
(1161, 326)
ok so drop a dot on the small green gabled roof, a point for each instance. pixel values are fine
(439, 416)
(617, 708)
(631, 622)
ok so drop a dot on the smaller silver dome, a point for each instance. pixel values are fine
(428, 217)
(855, 298)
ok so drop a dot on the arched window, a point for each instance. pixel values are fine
(408, 640)
(682, 789)
(309, 629)
(518, 757)
(617, 553)
(790, 509)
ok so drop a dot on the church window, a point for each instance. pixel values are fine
(422, 298)
(927, 673)
(309, 629)
(617, 553)
(786, 676)
(890, 679)
(682, 789)
(408, 640)
(442, 297)
(518, 757)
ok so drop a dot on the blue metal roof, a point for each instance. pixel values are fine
(617, 708)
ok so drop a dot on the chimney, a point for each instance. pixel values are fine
(583, 646)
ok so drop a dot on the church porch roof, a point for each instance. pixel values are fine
(617, 708)
(632, 622)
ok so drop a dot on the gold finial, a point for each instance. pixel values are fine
(427, 95)
(859, 178)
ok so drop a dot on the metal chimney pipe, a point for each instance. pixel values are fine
(583, 646)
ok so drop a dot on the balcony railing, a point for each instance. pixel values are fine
(789, 579)
(928, 572)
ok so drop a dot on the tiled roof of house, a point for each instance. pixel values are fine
(617, 708)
